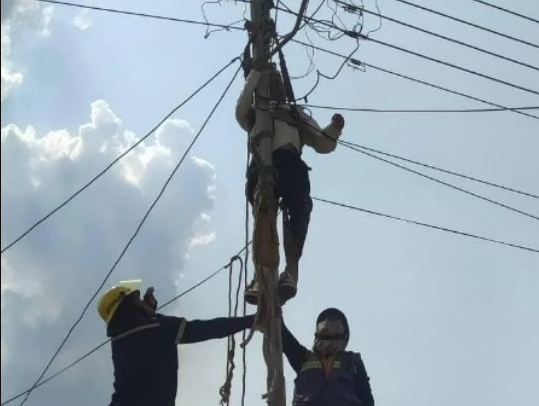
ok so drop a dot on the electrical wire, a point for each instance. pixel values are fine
(135, 14)
(447, 184)
(357, 35)
(421, 111)
(208, 26)
(437, 35)
(514, 13)
(361, 150)
(436, 168)
(419, 223)
(358, 63)
(468, 23)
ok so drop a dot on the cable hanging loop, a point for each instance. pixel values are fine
(226, 388)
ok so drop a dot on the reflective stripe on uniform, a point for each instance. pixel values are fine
(308, 365)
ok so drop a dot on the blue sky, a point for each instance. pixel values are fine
(439, 319)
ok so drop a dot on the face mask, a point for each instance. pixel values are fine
(329, 338)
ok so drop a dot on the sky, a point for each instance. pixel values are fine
(439, 319)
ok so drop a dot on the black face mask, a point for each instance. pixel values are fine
(330, 338)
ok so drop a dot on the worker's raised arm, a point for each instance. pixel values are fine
(322, 140)
(202, 330)
(294, 351)
(245, 113)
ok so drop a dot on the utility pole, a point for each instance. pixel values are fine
(265, 207)
(261, 31)
(265, 237)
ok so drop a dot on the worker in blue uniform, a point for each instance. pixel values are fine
(144, 344)
(328, 375)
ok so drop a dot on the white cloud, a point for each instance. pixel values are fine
(16, 15)
(82, 21)
(27, 12)
(202, 239)
(48, 276)
(10, 77)
(203, 235)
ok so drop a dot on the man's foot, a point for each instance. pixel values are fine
(251, 294)
(288, 287)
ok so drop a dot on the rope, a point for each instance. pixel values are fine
(269, 307)
(286, 75)
(226, 389)
(245, 280)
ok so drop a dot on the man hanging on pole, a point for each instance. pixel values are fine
(292, 129)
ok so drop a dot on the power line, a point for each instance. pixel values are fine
(478, 196)
(437, 35)
(451, 65)
(203, 281)
(135, 14)
(100, 174)
(506, 188)
(479, 27)
(359, 149)
(507, 11)
(82, 358)
(357, 36)
(358, 64)
(448, 230)
(139, 227)
(421, 111)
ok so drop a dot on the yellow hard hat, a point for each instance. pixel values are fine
(109, 302)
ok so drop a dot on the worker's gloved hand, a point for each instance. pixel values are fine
(337, 121)
(150, 299)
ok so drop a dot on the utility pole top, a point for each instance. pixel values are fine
(262, 26)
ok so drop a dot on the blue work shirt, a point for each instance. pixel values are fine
(145, 358)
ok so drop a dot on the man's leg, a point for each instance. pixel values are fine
(251, 293)
(294, 187)
(265, 238)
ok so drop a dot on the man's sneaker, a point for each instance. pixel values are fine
(288, 287)
(251, 294)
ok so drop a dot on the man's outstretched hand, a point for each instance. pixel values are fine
(337, 121)
(150, 299)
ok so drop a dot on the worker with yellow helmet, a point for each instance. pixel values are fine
(144, 344)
